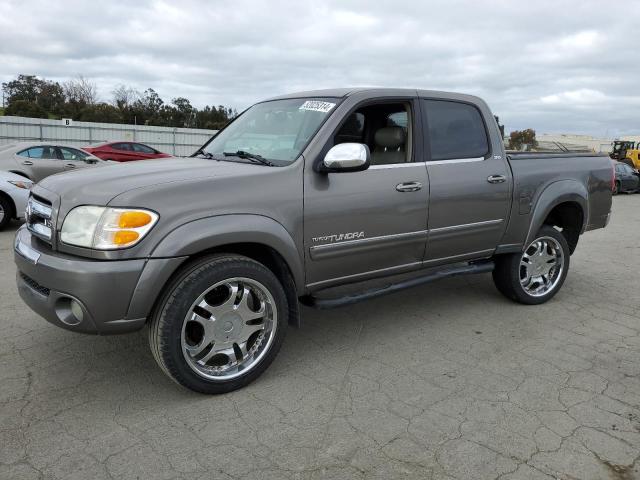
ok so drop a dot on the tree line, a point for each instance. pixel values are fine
(519, 139)
(77, 98)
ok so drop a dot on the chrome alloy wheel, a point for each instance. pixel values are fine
(541, 266)
(2, 213)
(229, 328)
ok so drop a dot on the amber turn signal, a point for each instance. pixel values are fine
(134, 219)
(123, 237)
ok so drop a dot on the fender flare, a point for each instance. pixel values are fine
(204, 234)
(553, 195)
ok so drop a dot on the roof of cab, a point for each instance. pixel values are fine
(327, 92)
(345, 92)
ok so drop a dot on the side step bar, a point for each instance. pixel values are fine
(327, 303)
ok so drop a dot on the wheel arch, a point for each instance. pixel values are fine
(256, 237)
(562, 204)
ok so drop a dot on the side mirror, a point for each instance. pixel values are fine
(90, 161)
(347, 157)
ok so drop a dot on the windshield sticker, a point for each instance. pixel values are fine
(317, 106)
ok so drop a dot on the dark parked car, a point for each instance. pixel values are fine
(627, 179)
(124, 151)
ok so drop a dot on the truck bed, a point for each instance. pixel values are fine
(535, 172)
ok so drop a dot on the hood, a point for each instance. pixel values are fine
(97, 186)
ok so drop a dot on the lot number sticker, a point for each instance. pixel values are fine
(317, 106)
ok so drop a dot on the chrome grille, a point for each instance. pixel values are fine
(38, 217)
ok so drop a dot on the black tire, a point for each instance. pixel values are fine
(166, 326)
(507, 272)
(616, 188)
(7, 213)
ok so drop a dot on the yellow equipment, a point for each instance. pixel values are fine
(626, 152)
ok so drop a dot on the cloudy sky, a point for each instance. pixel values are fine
(555, 66)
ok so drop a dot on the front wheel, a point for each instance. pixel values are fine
(537, 274)
(220, 324)
(616, 188)
(6, 212)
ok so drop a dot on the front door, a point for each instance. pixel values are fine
(359, 225)
(72, 158)
(470, 185)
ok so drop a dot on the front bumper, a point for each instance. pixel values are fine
(84, 295)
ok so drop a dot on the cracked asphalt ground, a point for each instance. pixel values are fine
(448, 380)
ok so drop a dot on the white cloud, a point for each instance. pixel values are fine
(579, 98)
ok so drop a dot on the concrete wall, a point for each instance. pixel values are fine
(176, 141)
(577, 141)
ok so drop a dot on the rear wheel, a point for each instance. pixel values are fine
(537, 274)
(220, 324)
(616, 187)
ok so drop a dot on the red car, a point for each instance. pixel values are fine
(124, 151)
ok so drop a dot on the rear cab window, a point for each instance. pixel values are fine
(456, 130)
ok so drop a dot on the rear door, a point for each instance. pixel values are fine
(122, 152)
(143, 152)
(470, 183)
(359, 225)
(40, 161)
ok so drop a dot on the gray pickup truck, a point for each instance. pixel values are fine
(298, 195)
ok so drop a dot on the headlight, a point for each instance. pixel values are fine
(26, 184)
(106, 228)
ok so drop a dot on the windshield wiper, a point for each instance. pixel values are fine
(255, 158)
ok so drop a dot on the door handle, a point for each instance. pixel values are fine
(496, 179)
(409, 187)
(27, 162)
(70, 165)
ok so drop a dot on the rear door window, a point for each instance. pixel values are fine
(456, 130)
(121, 146)
(39, 152)
(35, 152)
(138, 147)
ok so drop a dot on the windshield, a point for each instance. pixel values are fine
(277, 130)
